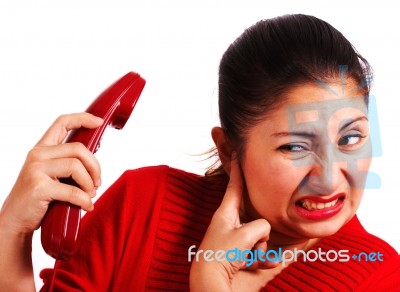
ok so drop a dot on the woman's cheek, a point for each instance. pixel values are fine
(272, 194)
(271, 180)
(357, 173)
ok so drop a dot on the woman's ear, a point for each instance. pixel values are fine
(224, 147)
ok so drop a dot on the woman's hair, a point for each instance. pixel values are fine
(269, 59)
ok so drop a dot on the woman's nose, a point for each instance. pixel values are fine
(325, 176)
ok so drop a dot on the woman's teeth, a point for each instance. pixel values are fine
(311, 205)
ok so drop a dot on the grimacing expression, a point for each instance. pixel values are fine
(305, 164)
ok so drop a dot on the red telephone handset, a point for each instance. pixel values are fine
(60, 225)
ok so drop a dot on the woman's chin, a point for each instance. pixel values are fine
(321, 231)
(321, 228)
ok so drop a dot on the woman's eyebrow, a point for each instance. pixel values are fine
(311, 135)
(348, 122)
(294, 133)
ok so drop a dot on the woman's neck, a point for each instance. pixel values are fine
(278, 240)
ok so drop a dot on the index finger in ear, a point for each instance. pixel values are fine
(234, 191)
(58, 131)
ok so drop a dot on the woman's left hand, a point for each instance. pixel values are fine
(226, 232)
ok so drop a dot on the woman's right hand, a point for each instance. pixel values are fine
(37, 184)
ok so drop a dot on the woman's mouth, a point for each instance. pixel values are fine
(318, 208)
(311, 205)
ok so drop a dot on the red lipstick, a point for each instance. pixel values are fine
(320, 208)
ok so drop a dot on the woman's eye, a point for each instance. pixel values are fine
(350, 140)
(292, 148)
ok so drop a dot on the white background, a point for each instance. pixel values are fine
(56, 56)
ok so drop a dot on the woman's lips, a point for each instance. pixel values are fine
(319, 208)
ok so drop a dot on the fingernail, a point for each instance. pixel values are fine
(91, 208)
(93, 193)
(98, 119)
(98, 182)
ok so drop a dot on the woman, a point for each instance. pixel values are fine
(294, 147)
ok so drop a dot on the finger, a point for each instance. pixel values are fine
(70, 150)
(261, 245)
(256, 234)
(265, 259)
(234, 192)
(58, 131)
(70, 167)
(269, 262)
(262, 262)
(68, 193)
(253, 233)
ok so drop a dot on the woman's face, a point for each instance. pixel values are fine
(305, 165)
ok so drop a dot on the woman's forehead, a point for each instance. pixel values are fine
(323, 91)
(333, 110)
(312, 106)
(312, 101)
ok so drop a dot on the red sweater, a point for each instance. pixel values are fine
(138, 235)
